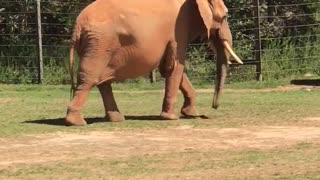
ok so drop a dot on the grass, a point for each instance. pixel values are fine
(41, 109)
(31, 110)
(144, 84)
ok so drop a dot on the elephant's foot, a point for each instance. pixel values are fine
(75, 119)
(168, 116)
(115, 117)
(168, 112)
(189, 112)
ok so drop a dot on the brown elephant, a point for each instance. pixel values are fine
(117, 40)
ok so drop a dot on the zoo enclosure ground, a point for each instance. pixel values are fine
(256, 134)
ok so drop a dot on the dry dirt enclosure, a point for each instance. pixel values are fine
(121, 145)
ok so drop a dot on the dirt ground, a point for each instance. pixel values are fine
(122, 144)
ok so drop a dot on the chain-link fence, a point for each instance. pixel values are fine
(275, 39)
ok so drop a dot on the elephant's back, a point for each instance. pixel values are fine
(96, 12)
(107, 10)
(147, 21)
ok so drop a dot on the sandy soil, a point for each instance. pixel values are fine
(123, 144)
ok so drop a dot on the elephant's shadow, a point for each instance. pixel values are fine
(306, 82)
(60, 121)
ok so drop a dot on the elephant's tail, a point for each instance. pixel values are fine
(74, 46)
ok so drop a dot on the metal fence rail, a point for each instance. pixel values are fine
(275, 40)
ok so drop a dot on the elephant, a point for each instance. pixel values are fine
(119, 40)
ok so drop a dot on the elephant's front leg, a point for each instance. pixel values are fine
(188, 109)
(112, 112)
(171, 91)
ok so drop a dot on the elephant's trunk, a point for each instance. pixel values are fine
(222, 43)
(222, 64)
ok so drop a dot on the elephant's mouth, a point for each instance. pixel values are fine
(232, 53)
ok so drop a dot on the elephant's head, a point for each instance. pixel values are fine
(214, 16)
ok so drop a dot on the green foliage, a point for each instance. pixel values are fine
(199, 65)
(290, 40)
(291, 60)
(55, 73)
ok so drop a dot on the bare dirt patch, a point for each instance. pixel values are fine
(123, 144)
(6, 100)
(315, 119)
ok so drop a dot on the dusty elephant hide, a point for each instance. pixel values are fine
(117, 40)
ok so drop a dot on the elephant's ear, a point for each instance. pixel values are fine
(206, 14)
(220, 11)
(213, 12)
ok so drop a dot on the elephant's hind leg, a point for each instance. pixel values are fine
(112, 112)
(188, 109)
(74, 115)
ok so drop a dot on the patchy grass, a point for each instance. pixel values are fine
(27, 112)
(38, 109)
(298, 162)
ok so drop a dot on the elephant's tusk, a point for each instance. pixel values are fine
(229, 49)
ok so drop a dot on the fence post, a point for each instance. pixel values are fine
(257, 47)
(39, 44)
(153, 76)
